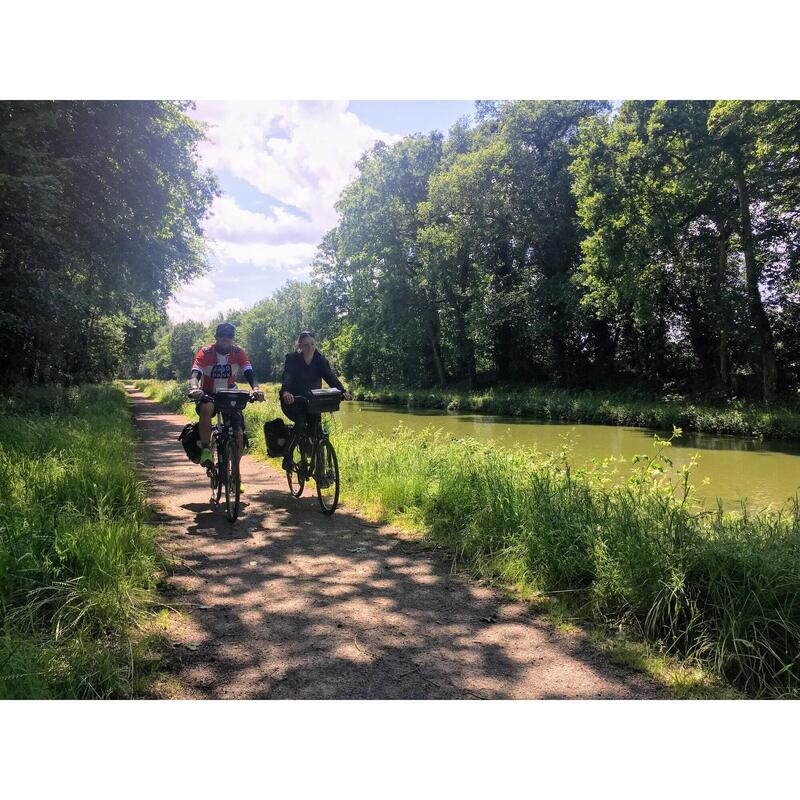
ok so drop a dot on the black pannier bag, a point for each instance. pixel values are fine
(276, 435)
(190, 439)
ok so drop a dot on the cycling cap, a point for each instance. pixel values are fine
(225, 330)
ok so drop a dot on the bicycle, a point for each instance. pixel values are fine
(224, 469)
(312, 454)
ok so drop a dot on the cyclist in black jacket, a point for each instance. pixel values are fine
(304, 370)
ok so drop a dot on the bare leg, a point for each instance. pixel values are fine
(206, 413)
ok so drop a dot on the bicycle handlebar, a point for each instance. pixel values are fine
(211, 398)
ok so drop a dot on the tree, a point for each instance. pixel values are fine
(378, 260)
(183, 346)
(761, 145)
(657, 220)
(101, 206)
(502, 230)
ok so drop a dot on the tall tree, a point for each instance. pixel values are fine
(655, 201)
(761, 144)
(379, 258)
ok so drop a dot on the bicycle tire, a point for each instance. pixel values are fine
(232, 484)
(327, 477)
(295, 476)
(214, 477)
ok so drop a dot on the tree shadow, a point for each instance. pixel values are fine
(290, 603)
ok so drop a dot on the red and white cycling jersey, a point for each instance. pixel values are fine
(220, 370)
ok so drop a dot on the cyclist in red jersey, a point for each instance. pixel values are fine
(217, 366)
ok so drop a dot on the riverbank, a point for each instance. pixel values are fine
(714, 589)
(600, 408)
(78, 560)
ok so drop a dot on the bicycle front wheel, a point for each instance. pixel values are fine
(214, 471)
(232, 485)
(296, 476)
(326, 477)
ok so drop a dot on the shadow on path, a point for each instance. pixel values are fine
(289, 603)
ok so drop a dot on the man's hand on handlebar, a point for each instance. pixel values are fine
(258, 395)
(195, 393)
(347, 396)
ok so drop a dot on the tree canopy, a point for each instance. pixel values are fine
(653, 245)
(101, 206)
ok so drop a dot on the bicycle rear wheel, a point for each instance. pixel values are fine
(326, 476)
(232, 485)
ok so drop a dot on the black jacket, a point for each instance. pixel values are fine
(300, 378)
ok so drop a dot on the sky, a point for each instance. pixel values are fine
(281, 166)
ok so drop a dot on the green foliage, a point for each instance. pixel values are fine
(372, 273)
(690, 211)
(77, 557)
(267, 332)
(185, 339)
(557, 243)
(101, 206)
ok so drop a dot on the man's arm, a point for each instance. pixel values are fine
(196, 375)
(250, 377)
(195, 390)
(248, 373)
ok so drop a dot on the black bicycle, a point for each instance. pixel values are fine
(312, 454)
(226, 450)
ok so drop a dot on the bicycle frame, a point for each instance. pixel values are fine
(225, 429)
(317, 461)
(315, 434)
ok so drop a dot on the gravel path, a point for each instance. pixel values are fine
(288, 603)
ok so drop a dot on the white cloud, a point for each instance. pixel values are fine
(230, 223)
(301, 153)
(261, 257)
(199, 300)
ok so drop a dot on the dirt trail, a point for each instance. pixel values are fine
(288, 603)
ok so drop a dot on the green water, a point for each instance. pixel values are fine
(738, 469)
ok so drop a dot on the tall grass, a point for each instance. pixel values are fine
(604, 408)
(722, 589)
(77, 559)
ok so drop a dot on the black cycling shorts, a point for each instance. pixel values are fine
(236, 417)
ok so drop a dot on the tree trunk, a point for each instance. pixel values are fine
(435, 351)
(504, 334)
(604, 348)
(724, 372)
(464, 347)
(764, 337)
(703, 336)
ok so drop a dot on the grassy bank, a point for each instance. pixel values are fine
(77, 559)
(602, 408)
(713, 589)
